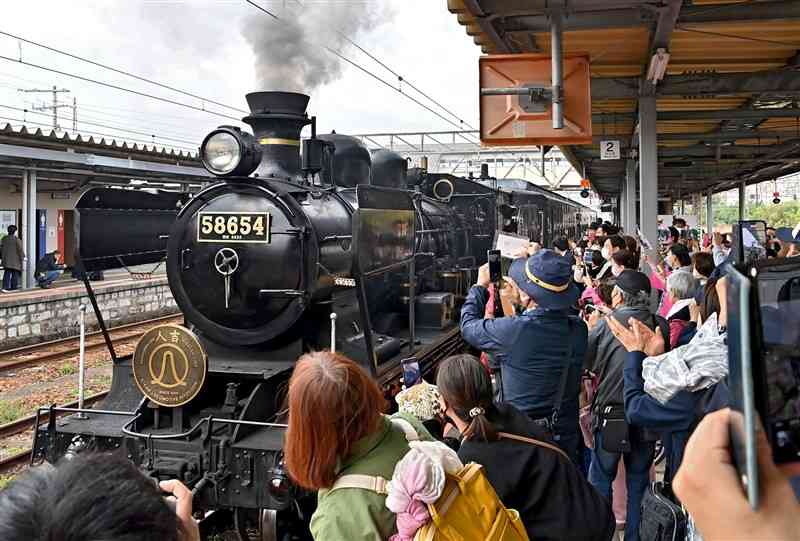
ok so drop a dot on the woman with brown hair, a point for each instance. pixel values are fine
(527, 470)
(336, 427)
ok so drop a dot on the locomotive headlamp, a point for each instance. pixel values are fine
(228, 152)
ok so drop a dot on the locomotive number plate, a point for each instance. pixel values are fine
(233, 227)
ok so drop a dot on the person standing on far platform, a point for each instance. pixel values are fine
(13, 256)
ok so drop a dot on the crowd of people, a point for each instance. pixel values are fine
(565, 412)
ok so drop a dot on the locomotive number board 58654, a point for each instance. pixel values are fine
(233, 227)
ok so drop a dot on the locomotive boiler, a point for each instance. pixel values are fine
(278, 256)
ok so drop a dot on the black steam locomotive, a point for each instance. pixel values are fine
(345, 249)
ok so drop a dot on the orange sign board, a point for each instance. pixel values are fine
(515, 119)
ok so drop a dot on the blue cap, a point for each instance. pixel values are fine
(547, 278)
(784, 234)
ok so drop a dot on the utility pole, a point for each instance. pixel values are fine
(55, 106)
(74, 115)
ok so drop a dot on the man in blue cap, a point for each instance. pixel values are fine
(541, 350)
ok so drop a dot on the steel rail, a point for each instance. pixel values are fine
(48, 357)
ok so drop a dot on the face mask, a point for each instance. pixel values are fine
(604, 252)
(616, 271)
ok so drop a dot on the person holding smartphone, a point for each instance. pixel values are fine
(95, 497)
(541, 350)
(709, 487)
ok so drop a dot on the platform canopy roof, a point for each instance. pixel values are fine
(727, 106)
(65, 162)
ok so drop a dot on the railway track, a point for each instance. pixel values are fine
(24, 424)
(54, 350)
(58, 350)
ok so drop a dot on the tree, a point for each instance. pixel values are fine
(784, 214)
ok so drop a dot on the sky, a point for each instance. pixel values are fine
(206, 47)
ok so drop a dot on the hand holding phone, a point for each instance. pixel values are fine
(411, 372)
(708, 485)
(495, 266)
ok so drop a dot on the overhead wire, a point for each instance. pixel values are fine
(399, 77)
(106, 126)
(117, 87)
(120, 71)
(367, 72)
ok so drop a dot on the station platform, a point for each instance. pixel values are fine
(35, 315)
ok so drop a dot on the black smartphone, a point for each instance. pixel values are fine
(495, 266)
(588, 256)
(741, 383)
(764, 364)
(776, 348)
(411, 372)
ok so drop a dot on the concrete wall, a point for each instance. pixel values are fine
(56, 316)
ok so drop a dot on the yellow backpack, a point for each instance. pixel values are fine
(467, 510)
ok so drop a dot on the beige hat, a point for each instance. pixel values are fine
(420, 400)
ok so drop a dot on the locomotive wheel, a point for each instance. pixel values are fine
(259, 525)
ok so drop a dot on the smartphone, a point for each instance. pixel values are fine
(776, 373)
(588, 256)
(741, 383)
(495, 266)
(411, 372)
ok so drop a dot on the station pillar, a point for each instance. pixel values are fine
(29, 229)
(648, 168)
(742, 200)
(710, 212)
(629, 190)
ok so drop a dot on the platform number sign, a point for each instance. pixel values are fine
(233, 227)
(610, 150)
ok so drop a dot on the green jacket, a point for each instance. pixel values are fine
(354, 514)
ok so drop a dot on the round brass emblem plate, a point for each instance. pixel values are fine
(169, 365)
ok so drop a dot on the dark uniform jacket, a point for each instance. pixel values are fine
(12, 252)
(533, 348)
(675, 419)
(605, 356)
(47, 263)
(551, 495)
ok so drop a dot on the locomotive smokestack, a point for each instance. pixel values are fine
(277, 119)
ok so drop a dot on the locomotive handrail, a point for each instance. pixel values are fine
(209, 420)
(331, 238)
(86, 410)
(387, 268)
(249, 423)
(128, 432)
(281, 293)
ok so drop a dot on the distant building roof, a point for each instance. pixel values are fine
(100, 145)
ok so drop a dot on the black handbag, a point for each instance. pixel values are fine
(662, 519)
(614, 429)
